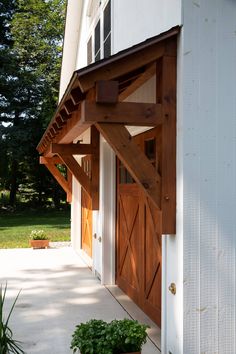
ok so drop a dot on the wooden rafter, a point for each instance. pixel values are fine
(134, 159)
(120, 67)
(65, 184)
(149, 72)
(73, 128)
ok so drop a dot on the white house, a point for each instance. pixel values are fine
(146, 124)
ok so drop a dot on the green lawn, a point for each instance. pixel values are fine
(15, 228)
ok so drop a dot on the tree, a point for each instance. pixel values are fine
(29, 83)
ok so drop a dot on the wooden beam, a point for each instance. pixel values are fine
(149, 72)
(95, 142)
(71, 149)
(72, 129)
(56, 174)
(107, 91)
(56, 160)
(167, 94)
(130, 113)
(118, 67)
(77, 172)
(134, 159)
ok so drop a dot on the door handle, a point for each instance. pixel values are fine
(95, 236)
(99, 239)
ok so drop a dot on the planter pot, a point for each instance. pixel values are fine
(39, 244)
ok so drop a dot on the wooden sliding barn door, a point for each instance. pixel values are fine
(138, 265)
(86, 211)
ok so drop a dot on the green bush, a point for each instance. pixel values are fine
(118, 336)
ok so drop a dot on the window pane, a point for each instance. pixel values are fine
(107, 47)
(107, 20)
(89, 51)
(98, 56)
(97, 38)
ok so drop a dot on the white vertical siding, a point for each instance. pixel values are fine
(209, 175)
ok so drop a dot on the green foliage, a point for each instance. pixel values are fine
(127, 336)
(90, 338)
(38, 235)
(30, 58)
(7, 343)
(15, 227)
(118, 336)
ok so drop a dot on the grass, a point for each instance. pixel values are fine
(16, 227)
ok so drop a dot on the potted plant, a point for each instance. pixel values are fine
(117, 337)
(7, 343)
(128, 336)
(91, 337)
(38, 239)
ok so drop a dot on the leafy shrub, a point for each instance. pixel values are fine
(90, 338)
(118, 336)
(127, 336)
(38, 235)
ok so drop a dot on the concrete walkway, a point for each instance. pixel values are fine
(58, 292)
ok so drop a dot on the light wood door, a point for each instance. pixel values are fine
(138, 265)
(86, 212)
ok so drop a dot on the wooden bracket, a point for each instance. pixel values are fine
(77, 172)
(133, 159)
(65, 184)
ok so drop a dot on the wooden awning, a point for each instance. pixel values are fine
(94, 98)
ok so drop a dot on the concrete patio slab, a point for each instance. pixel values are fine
(58, 291)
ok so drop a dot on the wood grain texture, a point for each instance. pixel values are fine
(77, 172)
(130, 113)
(133, 158)
(71, 149)
(166, 82)
(95, 143)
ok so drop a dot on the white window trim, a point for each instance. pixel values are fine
(99, 15)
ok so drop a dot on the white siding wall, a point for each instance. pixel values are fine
(209, 175)
(71, 40)
(135, 21)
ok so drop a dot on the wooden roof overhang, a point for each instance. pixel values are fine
(94, 98)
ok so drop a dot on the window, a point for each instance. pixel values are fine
(107, 31)
(99, 43)
(89, 51)
(97, 40)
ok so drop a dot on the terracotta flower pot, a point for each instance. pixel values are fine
(39, 244)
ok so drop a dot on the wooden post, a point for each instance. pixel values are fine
(166, 93)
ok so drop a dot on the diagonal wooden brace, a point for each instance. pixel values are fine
(66, 185)
(133, 159)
